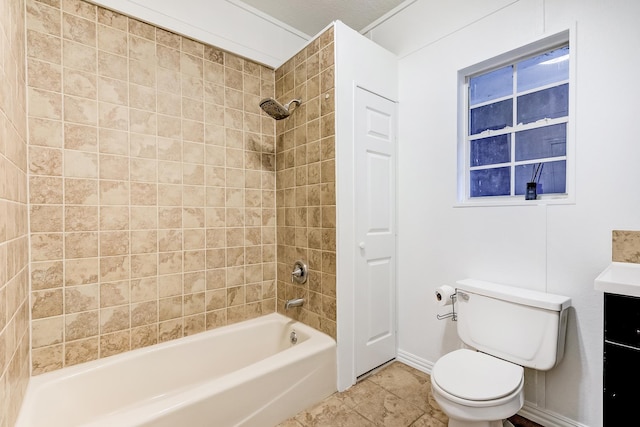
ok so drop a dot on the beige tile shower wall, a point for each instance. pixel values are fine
(626, 246)
(14, 250)
(306, 195)
(152, 185)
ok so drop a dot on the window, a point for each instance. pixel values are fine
(515, 127)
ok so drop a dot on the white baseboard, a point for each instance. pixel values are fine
(541, 416)
(414, 361)
(547, 418)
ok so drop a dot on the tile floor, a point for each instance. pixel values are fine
(394, 396)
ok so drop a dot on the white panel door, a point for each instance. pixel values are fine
(375, 297)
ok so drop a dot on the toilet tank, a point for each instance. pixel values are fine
(519, 325)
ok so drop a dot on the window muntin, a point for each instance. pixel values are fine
(517, 117)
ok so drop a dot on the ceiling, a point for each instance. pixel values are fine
(311, 16)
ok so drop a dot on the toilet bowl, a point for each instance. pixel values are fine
(477, 390)
(509, 328)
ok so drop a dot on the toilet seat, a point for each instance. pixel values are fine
(476, 377)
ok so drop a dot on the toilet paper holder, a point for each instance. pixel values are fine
(451, 315)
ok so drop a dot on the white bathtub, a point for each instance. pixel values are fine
(246, 374)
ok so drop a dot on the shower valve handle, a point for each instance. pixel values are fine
(300, 272)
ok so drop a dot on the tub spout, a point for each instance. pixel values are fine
(293, 303)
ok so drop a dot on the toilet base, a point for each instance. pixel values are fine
(459, 423)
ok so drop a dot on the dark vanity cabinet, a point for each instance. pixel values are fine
(621, 359)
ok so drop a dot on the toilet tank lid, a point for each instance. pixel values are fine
(514, 294)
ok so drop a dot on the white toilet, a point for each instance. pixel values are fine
(510, 328)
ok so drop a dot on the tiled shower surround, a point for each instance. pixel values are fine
(305, 182)
(153, 186)
(14, 250)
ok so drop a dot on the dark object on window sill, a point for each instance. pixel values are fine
(532, 191)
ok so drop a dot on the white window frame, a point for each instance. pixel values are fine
(557, 40)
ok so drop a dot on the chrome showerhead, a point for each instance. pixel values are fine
(277, 110)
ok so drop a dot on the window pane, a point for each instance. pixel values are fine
(543, 69)
(545, 104)
(492, 150)
(493, 116)
(548, 141)
(493, 85)
(552, 179)
(490, 182)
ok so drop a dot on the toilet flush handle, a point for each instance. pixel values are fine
(462, 295)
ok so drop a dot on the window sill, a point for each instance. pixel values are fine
(515, 201)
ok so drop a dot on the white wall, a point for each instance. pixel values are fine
(559, 248)
(222, 23)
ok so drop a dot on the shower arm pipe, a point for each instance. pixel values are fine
(297, 101)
